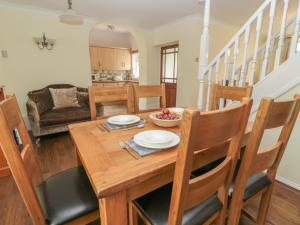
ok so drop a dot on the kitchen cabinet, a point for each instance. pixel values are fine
(123, 59)
(94, 58)
(106, 58)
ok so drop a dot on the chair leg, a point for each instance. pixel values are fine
(235, 209)
(222, 217)
(264, 206)
(133, 215)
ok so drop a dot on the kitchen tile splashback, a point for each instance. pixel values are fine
(116, 75)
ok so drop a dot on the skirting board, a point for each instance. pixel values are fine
(288, 183)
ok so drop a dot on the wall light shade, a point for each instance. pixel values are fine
(44, 42)
(70, 17)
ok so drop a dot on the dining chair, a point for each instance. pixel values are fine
(145, 91)
(113, 94)
(258, 166)
(203, 199)
(65, 198)
(221, 95)
(228, 93)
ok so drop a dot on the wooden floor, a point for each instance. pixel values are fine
(56, 153)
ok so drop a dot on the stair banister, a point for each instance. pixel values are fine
(203, 58)
(256, 48)
(268, 43)
(239, 33)
(295, 37)
(262, 49)
(281, 43)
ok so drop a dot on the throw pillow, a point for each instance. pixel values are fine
(64, 97)
(43, 100)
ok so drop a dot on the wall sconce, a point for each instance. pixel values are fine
(44, 42)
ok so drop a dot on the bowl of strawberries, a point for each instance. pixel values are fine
(166, 118)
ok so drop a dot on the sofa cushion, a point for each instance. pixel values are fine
(83, 98)
(42, 99)
(64, 97)
(64, 115)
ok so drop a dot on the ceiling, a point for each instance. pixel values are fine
(150, 13)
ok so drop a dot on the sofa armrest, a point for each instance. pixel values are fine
(32, 111)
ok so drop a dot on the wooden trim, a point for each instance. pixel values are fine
(102, 46)
(163, 59)
(5, 171)
(86, 219)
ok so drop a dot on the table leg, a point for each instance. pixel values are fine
(114, 209)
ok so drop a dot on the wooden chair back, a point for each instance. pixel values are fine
(99, 94)
(145, 91)
(270, 115)
(204, 131)
(226, 93)
(20, 156)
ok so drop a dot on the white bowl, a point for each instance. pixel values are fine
(165, 123)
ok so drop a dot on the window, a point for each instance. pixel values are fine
(135, 56)
(169, 58)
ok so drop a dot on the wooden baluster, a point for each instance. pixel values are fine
(203, 54)
(209, 89)
(294, 41)
(227, 66)
(268, 43)
(217, 71)
(244, 65)
(254, 60)
(235, 58)
(281, 41)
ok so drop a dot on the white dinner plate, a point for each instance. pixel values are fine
(156, 139)
(123, 119)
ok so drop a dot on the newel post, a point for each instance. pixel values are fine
(203, 57)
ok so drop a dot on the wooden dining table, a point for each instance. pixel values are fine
(117, 175)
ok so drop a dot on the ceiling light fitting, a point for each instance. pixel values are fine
(70, 16)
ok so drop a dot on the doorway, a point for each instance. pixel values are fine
(168, 74)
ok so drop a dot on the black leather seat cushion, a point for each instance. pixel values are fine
(66, 196)
(155, 207)
(255, 183)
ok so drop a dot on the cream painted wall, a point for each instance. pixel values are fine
(29, 68)
(187, 33)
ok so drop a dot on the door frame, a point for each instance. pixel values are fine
(161, 60)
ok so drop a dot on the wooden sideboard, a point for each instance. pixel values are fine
(4, 169)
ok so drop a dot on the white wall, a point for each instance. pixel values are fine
(282, 84)
(111, 39)
(187, 33)
(290, 166)
(29, 68)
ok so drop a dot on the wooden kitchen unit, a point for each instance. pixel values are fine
(108, 58)
(4, 169)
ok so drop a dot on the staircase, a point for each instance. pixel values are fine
(262, 54)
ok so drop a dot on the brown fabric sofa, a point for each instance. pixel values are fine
(45, 120)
